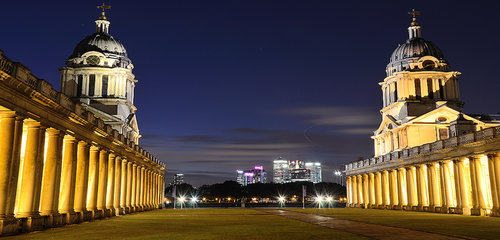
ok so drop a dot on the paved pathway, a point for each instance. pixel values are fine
(364, 229)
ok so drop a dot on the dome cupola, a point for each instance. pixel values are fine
(111, 52)
(416, 54)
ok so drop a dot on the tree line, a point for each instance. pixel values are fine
(234, 190)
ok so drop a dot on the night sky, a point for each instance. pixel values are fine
(232, 84)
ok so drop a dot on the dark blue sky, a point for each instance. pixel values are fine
(233, 84)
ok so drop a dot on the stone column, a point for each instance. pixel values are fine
(371, 189)
(118, 181)
(401, 188)
(411, 188)
(143, 191)
(419, 179)
(138, 188)
(103, 183)
(133, 185)
(82, 179)
(110, 189)
(146, 189)
(393, 183)
(475, 187)
(493, 164)
(458, 190)
(378, 190)
(447, 200)
(464, 183)
(364, 183)
(433, 187)
(348, 189)
(481, 186)
(29, 184)
(93, 182)
(10, 135)
(129, 185)
(354, 190)
(385, 189)
(51, 177)
(150, 183)
(68, 176)
(123, 190)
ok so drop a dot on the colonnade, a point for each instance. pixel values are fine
(467, 185)
(51, 177)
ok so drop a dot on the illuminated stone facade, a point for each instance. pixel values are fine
(428, 155)
(98, 74)
(62, 164)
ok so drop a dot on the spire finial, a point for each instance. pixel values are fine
(103, 7)
(414, 15)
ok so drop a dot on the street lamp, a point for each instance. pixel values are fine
(319, 200)
(281, 199)
(194, 200)
(329, 199)
(182, 199)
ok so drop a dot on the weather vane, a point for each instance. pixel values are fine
(414, 15)
(103, 7)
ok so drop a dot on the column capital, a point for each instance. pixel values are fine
(30, 123)
(69, 138)
(8, 114)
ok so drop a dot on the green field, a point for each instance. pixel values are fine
(192, 224)
(458, 225)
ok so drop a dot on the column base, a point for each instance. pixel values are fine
(118, 211)
(70, 218)
(109, 212)
(475, 212)
(9, 226)
(84, 216)
(32, 223)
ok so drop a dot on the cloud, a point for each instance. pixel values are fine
(363, 131)
(336, 116)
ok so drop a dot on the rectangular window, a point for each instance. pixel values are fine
(79, 85)
(429, 88)
(443, 133)
(418, 94)
(91, 84)
(104, 85)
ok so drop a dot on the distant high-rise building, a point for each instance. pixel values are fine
(281, 171)
(338, 177)
(178, 179)
(255, 175)
(315, 169)
(239, 177)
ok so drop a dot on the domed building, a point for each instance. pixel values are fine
(420, 96)
(98, 74)
(429, 156)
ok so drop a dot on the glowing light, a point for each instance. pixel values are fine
(329, 199)
(182, 199)
(281, 199)
(259, 168)
(194, 199)
(319, 199)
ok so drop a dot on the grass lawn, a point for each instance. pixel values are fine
(192, 224)
(471, 226)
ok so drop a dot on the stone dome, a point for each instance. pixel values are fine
(406, 56)
(416, 48)
(99, 42)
